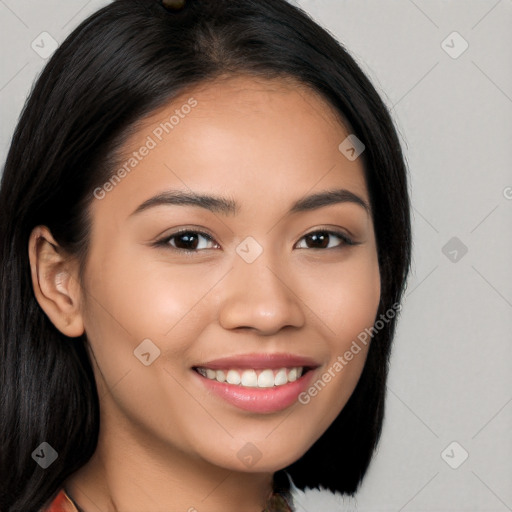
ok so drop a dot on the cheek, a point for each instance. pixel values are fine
(358, 302)
(347, 305)
(148, 297)
(129, 301)
(137, 298)
(344, 296)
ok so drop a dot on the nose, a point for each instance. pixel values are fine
(260, 296)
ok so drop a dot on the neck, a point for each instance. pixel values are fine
(130, 474)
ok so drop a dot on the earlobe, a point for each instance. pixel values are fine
(55, 282)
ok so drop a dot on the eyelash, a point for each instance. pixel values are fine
(164, 242)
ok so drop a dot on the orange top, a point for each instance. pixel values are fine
(61, 503)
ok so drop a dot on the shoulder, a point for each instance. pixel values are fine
(59, 504)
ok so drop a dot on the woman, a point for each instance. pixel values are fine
(205, 238)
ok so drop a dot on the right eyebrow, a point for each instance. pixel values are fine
(214, 204)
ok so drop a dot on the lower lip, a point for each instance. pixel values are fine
(259, 400)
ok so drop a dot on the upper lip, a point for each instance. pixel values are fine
(260, 361)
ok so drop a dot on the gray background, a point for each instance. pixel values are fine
(450, 375)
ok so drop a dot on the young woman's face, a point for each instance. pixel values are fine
(247, 282)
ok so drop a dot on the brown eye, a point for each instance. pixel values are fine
(322, 240)
(187, 240)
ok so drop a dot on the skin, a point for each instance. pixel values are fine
(165, 442)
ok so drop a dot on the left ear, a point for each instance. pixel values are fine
(55, 282)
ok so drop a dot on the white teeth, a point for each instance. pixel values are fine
(266, 378)
(281, 377)
(249, 379)
(233, 377)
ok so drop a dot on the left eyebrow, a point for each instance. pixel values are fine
(327, 198)
(227, 206)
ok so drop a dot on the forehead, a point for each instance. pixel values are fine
(244, 105)
(246, 92)
(249, 137)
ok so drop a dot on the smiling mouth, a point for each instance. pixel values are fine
(254, 378)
